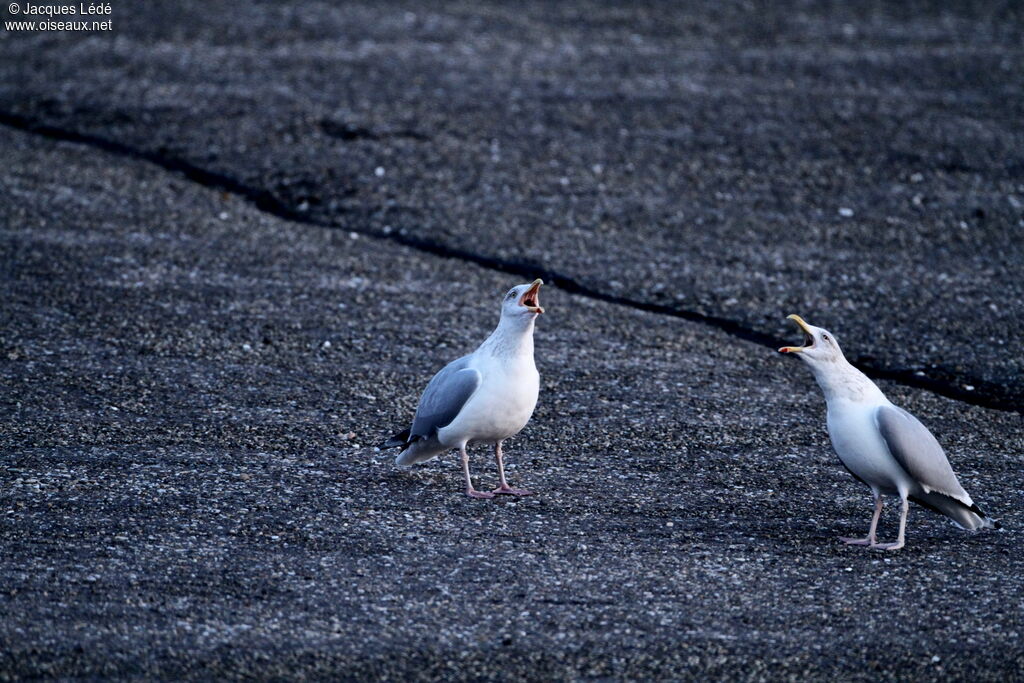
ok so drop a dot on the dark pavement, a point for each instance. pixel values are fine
(236, 241)
(862, 166)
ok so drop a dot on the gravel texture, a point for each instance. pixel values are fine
(861, 165)
(191, 386)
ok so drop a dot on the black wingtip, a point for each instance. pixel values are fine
(978, 511)
(399, 439)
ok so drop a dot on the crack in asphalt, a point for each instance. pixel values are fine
(950, 384)
(348, 131)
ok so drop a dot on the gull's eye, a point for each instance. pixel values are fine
(511, 295)
(824, 337)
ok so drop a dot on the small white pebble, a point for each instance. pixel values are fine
(327, 344)
(379, 171)
(845, 212)
(223, 215)
(936, 659)
(246, 347)
(969, 387)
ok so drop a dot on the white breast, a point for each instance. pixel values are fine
(859, 445)
(501, 406)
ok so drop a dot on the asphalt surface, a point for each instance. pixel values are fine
(208, 321)
(861, 166)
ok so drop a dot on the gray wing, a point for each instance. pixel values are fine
(444, 397)
(917, 451)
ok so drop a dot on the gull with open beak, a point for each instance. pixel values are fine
(485, 397)
(880, 444)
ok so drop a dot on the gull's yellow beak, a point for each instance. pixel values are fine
(808, 335)
(531, 297)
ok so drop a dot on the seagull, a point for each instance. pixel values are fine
(882, 445)
(485, 397)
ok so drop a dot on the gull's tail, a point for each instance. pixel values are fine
(968, 517)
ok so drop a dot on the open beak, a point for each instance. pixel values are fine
(531, 299)
(808, 337)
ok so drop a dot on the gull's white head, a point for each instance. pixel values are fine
(836, 377)
(820, 346)
(522, 302)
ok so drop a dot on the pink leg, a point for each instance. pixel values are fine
(505, 488)
(903, 531)
(871, 539)
(470, 491)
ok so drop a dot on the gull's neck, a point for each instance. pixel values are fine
(841, 382)
(511, 338)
